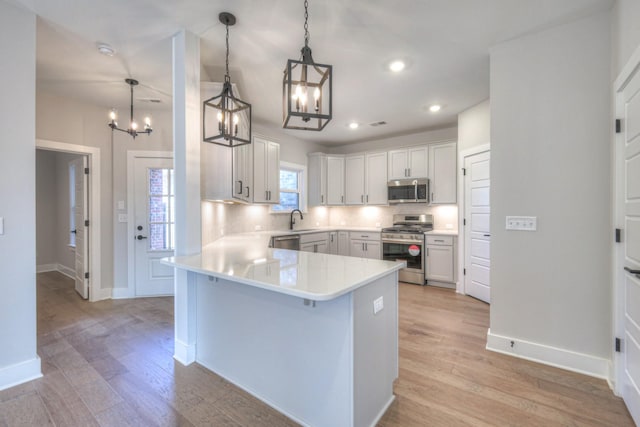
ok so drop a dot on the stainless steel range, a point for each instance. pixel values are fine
(405, 242)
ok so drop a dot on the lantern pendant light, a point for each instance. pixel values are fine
(306, 89)
(226, 119)
(133, 125)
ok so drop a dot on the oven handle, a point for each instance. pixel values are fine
(408, 242)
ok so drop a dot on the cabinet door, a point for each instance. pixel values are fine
(418, 161)
(259, 170)
(322, 247)
(354, 180)
(317, 186)
(308, 247)
(333, 243)
(273, 172)
(442, 173)
(373, 250)
(243, 173)
(343, 243)
(335, 180)
(398, 168)
(356, 248)
(439, 263)
(376, 179)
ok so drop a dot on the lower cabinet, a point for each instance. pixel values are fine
(440, 259)
(343, 243)
(365, 245)
(333, 242)
(315, 242)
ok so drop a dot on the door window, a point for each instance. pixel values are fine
(161, 209)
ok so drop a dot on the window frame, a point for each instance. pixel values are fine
(72, 204)
(301, 170)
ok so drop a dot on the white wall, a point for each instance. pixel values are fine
(626, 33)
(18, 359)
(474, 125)
(446, 134)
(550, 154)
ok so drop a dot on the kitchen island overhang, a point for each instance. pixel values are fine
(297, 330)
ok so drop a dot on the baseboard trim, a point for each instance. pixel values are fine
(547, 355)
(103, 294)
(19, 373)
(69, 272)
(45, 268)
(184, 353)
(383, 411)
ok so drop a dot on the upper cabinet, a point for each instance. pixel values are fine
(366, 179)
(443, 173)
(326, 180)
(266, 171)
(408, 162)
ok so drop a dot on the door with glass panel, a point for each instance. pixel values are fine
(154, 225)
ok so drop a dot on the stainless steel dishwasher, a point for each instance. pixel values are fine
(291, 241)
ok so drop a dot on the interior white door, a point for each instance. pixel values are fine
(477, 247)
(629, 283)
(154, 225)
(81, 214)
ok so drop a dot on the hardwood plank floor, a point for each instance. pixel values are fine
(110, 364)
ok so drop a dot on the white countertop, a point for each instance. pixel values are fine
(323, 229)
(442, 232)
(247, 259)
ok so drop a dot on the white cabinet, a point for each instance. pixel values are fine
(365, 245)
(326, 180)
(315, 242)
(333, 243)
(354, 179)
(243, 173)
(266, 171)
(440, 258)
(366, 179)
(408, 163)
(343, 243)
(335, 180)
(442, 173)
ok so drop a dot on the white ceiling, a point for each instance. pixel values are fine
(445, 42)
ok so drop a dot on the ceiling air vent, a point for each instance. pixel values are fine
(151, 100)
(378, 123)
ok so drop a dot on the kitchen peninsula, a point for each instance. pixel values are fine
(313, 335)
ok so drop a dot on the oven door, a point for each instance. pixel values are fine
(412, 252)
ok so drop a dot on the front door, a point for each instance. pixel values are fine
(80, 206)
(477, 246)
(628, 205)
(154, 225)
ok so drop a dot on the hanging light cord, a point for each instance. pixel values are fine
(306, 24)
(226, 76)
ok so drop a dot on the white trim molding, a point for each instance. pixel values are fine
(45, 268)
(547, 355)
(93, 154)
(461, 228)
(69, 272)
(19, 373)
(184, 353)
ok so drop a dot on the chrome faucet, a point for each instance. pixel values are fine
(293, 221)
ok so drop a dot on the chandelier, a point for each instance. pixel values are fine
(306, 89)
(133, 125)
(229, 117)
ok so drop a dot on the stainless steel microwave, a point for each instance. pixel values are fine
(408, 191)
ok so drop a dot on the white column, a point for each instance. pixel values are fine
(186, 146)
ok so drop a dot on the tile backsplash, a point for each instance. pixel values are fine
(219, 219)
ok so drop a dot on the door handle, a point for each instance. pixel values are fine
(140, 237)
(634, 272)
(487, 235)
(74, 231)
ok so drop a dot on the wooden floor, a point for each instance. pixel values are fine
(110, 364)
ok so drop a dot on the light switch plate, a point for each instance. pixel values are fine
(522, 223)
(378, 304)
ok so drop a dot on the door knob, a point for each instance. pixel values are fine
(74, 231)
(140, 237)
(139, 227)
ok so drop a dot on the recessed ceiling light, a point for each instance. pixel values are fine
(105, 49)
(354, 125)
(435, 108)
(397, 66)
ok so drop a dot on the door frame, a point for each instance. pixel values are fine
(617, 250)
(462, 155)
(96, 293)
(130, 291)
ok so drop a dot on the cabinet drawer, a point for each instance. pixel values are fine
(364, 235)
(313, 237)
(440, 240)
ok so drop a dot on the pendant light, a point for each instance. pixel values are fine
(306, 89)
(133, 125)
(226, 119)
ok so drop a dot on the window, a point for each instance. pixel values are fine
(161, 208)
(72, 204)
(292, 184)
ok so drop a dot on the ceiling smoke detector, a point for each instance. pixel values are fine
(105, 49)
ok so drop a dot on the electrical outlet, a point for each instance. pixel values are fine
(122, 218)
(522, 223)
(378, 304)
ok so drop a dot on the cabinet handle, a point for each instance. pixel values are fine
(266, 195)
(437, 240)
(366, 247)
(331, 238)
(322, 199)
(432, 197)
(247, 191)
(409, 174)
(427, 252)
(240, 187)
(367, 198)
(362, 198)
(341, 199)
(487, 235)
(363, 247)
